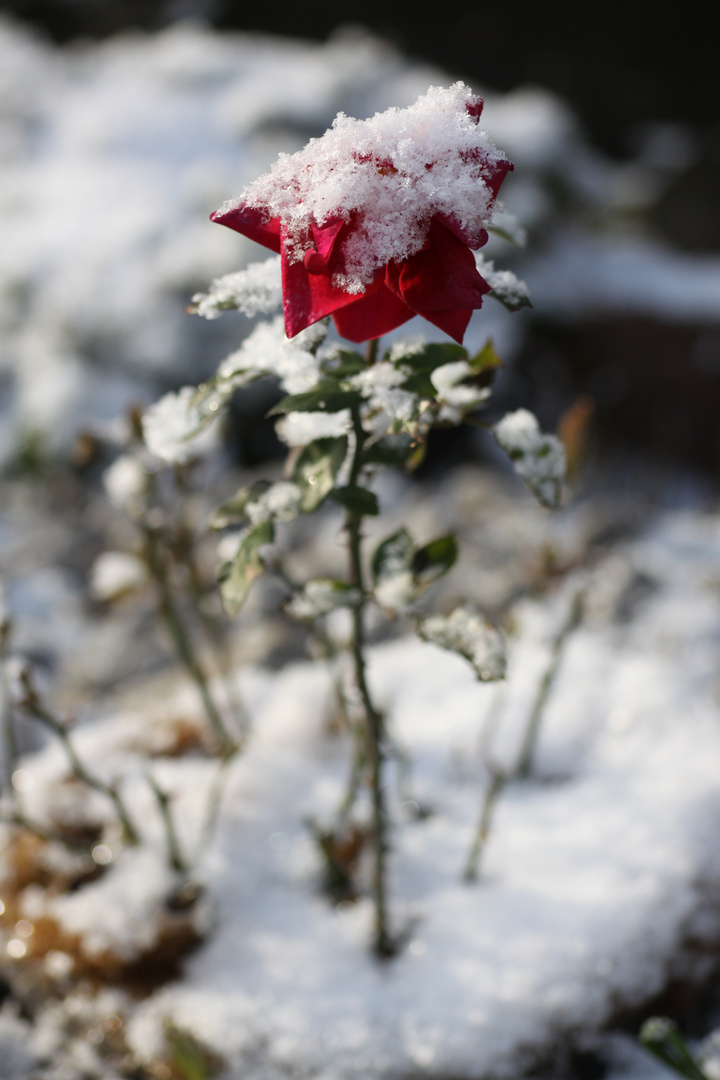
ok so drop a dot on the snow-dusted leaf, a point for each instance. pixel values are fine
(344, 362)
(237, 575)
(433, 560)
(401, 449)
(468, 634)
(328, 395)
(262, 501)
(510, 290)
(402, 572)
(507, 227)
(256, 290)
(316, 468)
(320, 596)
(172, 426)
(357, 499)
(538, 458)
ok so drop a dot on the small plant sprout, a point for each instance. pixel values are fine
(374, 223)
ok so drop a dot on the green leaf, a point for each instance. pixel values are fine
(433, 356)
(392, 450)
(326, 396)
(486, 360)
(237, 576)
(232, 512)
(357, 499)
(344, 363)
(434, 559)
(466, 633)
(392, 555)
(316, 468)
(662, 1038)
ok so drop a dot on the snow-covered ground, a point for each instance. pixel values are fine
(599, 881)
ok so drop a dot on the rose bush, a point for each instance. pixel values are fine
(375, 221)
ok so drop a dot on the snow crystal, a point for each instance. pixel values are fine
(395, 171)
(256, 290)
(174, 428)
(538, 458)
(116, 572)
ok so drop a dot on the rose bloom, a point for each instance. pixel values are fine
(375, 221)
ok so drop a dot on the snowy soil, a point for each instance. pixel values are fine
(599, 882)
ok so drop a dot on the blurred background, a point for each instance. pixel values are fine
(122, 125)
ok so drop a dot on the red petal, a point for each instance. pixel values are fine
(253, 223)
(440, 277)
(325, 237)
(453, 322)
(309, 297)
(372, 315)
(496, 173)
(474, 106)
(473, 240)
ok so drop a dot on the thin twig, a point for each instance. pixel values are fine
(34, 707)
(532, 731)
(492, 792)
(174, 623)
(175, 856)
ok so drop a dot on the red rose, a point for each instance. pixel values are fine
(375, 221)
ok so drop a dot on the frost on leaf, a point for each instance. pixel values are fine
(466, 633)
(173, 425)
(510, 290)
(259, 503)
(320, 596)
(257, 290)
(237, 575)
(267, 351)
(538, 458)
(402, 571)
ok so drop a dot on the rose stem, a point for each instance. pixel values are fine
(158, 569)
(381, 939)
(495, 786)
(175, 856)
(33, 705)
(529, 746)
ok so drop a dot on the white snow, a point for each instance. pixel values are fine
(255, 290)
(538, 458)
(596, 869)
(394, 171)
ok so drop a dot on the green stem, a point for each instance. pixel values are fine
(181, 639)
(35, 709)
(214, 799)
(529, 746)
(177, 862)
(382, 942)
(472, 866)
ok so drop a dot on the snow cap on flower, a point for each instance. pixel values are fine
(374, 221)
